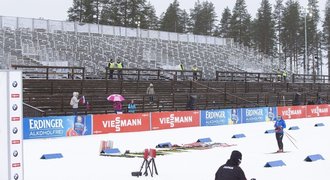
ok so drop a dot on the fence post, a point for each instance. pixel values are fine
(83, 73)
(217, 75)
(139, 73)
(72, 73)
(143, 103)
(47, 70)
(293, 77)
(106, 73)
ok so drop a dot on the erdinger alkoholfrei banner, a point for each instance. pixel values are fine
(319, 110)
(178, 119)
(57, 126)
(292, 112)
(112, 123)
(216, 117)
(262, 114)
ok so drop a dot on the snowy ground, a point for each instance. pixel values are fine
(81, 160)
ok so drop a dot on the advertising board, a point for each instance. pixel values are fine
(115, 123)
(57, 126)
(178, 119)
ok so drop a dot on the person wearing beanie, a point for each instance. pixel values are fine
(279, 126)
(231, 170)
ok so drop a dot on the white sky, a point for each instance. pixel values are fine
(81, 160)
(57, 9)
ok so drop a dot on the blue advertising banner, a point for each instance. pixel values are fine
(215, 117)
(56, 126)
(236, 116)
(271, 113)
(251, 115)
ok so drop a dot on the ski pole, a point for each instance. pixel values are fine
(290, 136)
(291, 141)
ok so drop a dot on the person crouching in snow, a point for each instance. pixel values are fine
(231, 170)
(279, 132)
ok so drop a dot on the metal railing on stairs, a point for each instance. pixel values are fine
(31, 111)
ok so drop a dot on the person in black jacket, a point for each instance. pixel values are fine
(231, 170)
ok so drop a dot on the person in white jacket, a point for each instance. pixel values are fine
(151, 93)
(74, 102)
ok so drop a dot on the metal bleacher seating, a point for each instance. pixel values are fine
(35, 42)
(54, 45)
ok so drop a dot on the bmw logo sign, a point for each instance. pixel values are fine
(15, 130)
(16, 176)
(14, 84)
(15, 153)
(15, 107)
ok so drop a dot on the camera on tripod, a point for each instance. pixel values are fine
(149, 156)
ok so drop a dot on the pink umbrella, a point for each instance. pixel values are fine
(115, 97)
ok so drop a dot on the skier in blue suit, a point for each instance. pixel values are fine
(279, 132)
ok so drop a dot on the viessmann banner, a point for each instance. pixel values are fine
(114, 123)
(318, 110)
(178, 119)
(292, 112)
(56, 126)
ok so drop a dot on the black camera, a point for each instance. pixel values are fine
(137, 173)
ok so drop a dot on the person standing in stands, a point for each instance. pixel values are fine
(279, 75)
(111, 66)
(131, 107)
(120, 69)
(284, 74)
(296, 100)
(181, 68)
(195, 69)
(231, 170)
(279, 132)
(74, 103)
(117, 107)
(151, 93)
(319, 100)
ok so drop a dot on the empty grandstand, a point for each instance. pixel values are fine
(59, 57)
(25, 41)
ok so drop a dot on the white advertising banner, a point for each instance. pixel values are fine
(11, 125)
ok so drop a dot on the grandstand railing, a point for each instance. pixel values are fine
(31, 111)
(296, 78)
(154, 74)
(64, 72)
(51, 72)
(78, 27)
(269, 77)
(161, 103)
(205, 101)
(245, 76)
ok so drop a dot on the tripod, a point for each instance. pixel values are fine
(149, 159)
(153, 167)
(146, 165)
